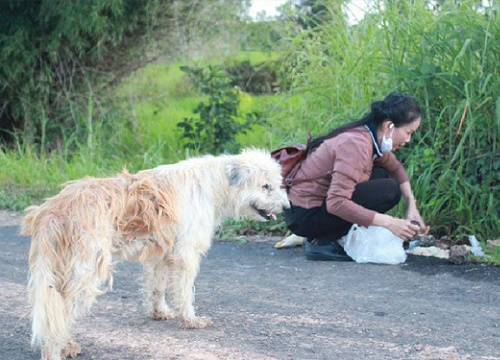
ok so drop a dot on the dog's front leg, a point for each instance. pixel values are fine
(182, 273)
(155, 281)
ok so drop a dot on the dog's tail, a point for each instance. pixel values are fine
(50, 321)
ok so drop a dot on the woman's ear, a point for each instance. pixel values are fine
(387, 125)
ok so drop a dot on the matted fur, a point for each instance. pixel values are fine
(163, 217)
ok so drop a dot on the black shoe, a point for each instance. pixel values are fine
(327, 252)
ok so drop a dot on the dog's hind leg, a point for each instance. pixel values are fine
(183, 269)
(155, 282)
(52, 351)
(72, 349)
(55, 313)
(60, 293)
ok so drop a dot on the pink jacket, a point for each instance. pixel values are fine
(332, 171)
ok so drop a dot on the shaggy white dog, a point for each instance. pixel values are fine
(163, 217)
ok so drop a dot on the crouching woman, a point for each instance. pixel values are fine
(351, 175)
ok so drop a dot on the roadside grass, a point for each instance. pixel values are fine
(31, 177)
(491, 255)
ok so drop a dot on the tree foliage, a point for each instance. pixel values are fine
(312, 13)
(60, 57)
(52, 51)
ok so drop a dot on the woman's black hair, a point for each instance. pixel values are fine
(400, 108)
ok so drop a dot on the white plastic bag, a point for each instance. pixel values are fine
(374, 244)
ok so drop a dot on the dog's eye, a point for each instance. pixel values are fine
(267, 187)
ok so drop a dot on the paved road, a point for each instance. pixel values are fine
(269, 304)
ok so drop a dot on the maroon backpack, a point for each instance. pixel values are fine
(290, 159)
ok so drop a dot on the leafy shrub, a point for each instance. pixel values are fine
(219, 121)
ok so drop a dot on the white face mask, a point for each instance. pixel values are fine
(386, 145)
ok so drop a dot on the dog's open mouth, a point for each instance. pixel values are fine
(267, 215)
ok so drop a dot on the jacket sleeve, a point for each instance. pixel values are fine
(352, 165)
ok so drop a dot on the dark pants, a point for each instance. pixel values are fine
(380, 194)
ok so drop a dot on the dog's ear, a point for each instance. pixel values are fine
(236, 173)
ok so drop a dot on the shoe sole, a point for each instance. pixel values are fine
(321, 257)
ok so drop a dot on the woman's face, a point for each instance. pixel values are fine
(402, 134)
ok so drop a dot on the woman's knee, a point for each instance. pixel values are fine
(380, 195)
(394, 193)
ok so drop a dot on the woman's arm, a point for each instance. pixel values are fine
(403, 228)
(412, 212)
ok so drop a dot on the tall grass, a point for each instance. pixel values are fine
(100, 144)
(448, 59)
(28, 176)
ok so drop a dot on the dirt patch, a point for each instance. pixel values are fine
(10, 218)
(274, 304)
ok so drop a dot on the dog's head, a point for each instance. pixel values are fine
(255, 185)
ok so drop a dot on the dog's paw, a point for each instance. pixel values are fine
(162, 315)
(72, 349)
(196, 322)
(290, 241)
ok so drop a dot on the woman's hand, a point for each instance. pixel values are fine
(412, 213)
(402, 228)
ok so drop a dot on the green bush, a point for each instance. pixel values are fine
(219, 121)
